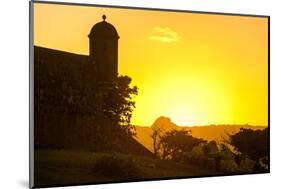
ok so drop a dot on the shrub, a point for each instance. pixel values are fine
(116, 166)
(253, 143)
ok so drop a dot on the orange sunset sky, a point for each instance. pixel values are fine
(195, 68)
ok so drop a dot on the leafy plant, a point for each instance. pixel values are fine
(116, 166)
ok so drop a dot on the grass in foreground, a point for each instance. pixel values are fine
(59, 167)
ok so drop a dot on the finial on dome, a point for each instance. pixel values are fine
(103, 17)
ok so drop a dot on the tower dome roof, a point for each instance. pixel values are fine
(103, 29)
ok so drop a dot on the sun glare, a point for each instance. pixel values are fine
(194, 68)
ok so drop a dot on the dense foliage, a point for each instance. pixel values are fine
(77, 115)
(253, 143)
(118, 103)
(172, 144)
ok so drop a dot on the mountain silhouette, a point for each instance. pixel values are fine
(163, 123)
(208, 132)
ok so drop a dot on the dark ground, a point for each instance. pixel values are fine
(61, 167)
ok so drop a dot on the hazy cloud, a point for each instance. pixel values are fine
(164, 34)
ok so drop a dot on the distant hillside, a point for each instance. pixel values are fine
(208, 132)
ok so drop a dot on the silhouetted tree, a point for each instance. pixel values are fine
(156, 134)
(119, 104)
(176, 142)
(253, 143)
